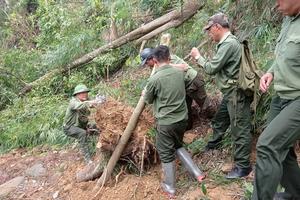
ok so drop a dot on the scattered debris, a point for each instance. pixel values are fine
(10, 186)
(36, 170)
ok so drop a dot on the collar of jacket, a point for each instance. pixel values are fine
(162, 68)
(225, 36)
(294, 18)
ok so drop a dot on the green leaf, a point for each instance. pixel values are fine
(203, 188)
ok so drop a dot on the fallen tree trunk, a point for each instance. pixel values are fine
(170, 20)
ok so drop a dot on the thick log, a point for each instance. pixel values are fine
(170, 20)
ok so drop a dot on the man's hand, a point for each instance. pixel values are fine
(100, 99)
(195, 53)
(265, 82)
(92, 103)
(143, 92)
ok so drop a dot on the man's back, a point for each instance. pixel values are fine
(190, 73)
(166, 90)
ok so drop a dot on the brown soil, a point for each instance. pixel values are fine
(62, 166)
(112, 118)
(60, 178)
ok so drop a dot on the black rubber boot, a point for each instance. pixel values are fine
(238, 172)
(283, 196)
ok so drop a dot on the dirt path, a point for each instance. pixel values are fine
(54, 175)
(59, 180)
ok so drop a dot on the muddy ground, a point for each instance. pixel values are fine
(59, 180)
(60, 166)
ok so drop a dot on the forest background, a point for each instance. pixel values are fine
(38, 36)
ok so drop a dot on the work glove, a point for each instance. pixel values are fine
(100, 99)
(92, 129)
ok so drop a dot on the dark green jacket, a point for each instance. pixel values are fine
(190, 74)
(225, 64)
(286, 66)
(77, 114)
(166, 90)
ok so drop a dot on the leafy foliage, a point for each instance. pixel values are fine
(32, 121)
(37, 36)
(248, 190)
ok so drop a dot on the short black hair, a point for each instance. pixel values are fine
(161, 53)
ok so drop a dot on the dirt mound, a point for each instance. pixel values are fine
(112, 118)
(210, 106)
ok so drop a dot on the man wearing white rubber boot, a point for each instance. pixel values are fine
(166, 90)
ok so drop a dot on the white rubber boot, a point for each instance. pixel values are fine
(169, 180)
(189, 164)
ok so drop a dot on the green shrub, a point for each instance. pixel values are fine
(33, 121)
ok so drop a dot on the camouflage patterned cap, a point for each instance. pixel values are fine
(219, 18)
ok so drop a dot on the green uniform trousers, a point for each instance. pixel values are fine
(169, 138)
(82, 137)
(276, 161)
(234, 112)
(195, 91)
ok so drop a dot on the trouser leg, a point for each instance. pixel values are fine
(275, 109)
(291, 174)
(81, 135)
(291, 170)
(168, 139)
(220, 124)
(189, 102)
(197, 91)
(273, 148)
(240, 122)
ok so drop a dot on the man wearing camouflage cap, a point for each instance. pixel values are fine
(76, 122)
(234, 110)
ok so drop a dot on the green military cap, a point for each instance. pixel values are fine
(80, 88)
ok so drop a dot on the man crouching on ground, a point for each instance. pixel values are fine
(76, 123)
(166, 90)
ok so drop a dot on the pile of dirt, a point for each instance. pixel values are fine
(112, 118)
(210, 106)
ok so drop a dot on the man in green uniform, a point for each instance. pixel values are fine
(165, 89)
(194, 83)
(234, 110)
(76, 122)
(276, 161)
